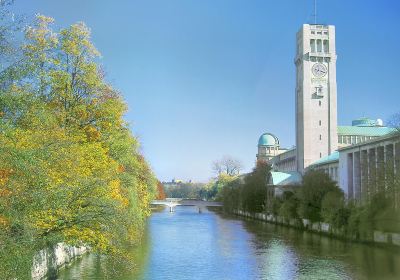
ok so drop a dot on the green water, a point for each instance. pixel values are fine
(186, 245)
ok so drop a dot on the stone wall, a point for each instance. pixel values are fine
(47, 262)
(388, 238)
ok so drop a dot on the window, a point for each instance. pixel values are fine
(320, 155)
(319, 45)
(320, 137)
(319, 102)
(326, 46)
(320, 123)
(312, 43)
(312, 32)
(340, 139)
(326, 32)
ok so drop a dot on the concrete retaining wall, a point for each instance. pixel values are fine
(378, 236)
(47, 262)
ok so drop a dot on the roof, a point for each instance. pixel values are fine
(268, 139)
(365, 130)
(328, 159)
(285, 178)
(394, 134)
(364, 122)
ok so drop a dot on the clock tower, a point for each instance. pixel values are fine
(316, 98)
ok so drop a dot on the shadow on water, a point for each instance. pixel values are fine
(186, 245)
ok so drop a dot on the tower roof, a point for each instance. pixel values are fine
(268, 139)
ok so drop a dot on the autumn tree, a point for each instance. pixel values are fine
(70, 168)
(160, 191)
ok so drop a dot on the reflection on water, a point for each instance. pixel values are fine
(187, 245)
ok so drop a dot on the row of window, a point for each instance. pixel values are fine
(319, 45)
(332, 172)
(320, 59)
(319, 32)
(353, 139)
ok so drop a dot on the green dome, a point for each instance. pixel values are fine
(268, 139)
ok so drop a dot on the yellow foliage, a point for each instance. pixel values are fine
(4, 222)
(116, 193)
(95, 238)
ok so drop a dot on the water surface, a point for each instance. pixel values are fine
(186, 245)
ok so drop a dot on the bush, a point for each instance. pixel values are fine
(288, 208)
(316, 184)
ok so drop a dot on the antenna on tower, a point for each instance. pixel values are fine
(315, 11)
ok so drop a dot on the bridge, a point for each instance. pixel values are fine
(173, 202)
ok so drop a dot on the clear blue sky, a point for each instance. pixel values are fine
(204, 78)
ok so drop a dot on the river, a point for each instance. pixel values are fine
(186, 245)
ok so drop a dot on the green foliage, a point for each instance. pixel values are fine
(249, 193)
(288, 206)
(186, 190)
(254, 192)
(316, 184)
(231, 195)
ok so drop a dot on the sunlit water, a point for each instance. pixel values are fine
(187, 245)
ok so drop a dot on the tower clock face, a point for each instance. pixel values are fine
(319, 70)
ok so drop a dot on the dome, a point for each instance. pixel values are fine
(268, 139)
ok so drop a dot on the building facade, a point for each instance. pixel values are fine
(321, 144)
(370, 167)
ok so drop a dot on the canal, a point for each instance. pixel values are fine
(186, 245)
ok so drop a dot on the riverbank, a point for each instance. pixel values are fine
(378, 237)
(48, 262)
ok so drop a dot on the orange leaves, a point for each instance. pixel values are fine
(121, 168)
(4, 177)
(92, 133)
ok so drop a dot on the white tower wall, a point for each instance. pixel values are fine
(316, 94)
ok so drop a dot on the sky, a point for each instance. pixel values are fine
(205, 78)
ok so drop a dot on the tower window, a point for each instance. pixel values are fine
(319, 45)
(326, 46)
(320, 155)
(312, 43)
(320, 123)
(320, 137)
(319, 102)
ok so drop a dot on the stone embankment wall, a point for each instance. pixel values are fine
(389, 238)
(47, 262)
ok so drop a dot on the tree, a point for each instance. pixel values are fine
(160, 191)
(255, 192)
(288, 208)
(316, 184)
(70, 169)
(333, 209)
(394, 121)
(227, 165)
